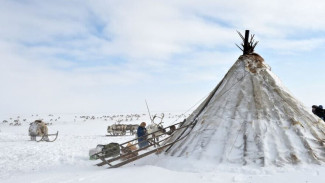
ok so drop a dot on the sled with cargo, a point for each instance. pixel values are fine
(38, 132)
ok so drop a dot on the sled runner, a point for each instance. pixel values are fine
(46, 137)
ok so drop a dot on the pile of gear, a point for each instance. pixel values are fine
(38, 128)
(108, 150)
(38, 131)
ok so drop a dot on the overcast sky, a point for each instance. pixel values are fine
(74, 56)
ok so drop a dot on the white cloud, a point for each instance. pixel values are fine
(293, 46)
(93, 55)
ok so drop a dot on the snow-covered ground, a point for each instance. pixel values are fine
(67, 159)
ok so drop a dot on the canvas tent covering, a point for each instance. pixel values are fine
(250, 118)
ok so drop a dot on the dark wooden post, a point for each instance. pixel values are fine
(246, 45)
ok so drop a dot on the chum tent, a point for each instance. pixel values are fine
(251, 118)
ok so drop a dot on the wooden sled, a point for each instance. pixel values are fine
(129, 155)
(45, 138)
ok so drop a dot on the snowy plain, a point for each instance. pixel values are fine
(67, 159)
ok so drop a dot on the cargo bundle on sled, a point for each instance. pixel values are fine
(38, 132)
(106, 151)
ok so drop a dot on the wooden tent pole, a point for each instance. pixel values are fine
(246, 45)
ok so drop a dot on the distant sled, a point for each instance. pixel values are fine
(121, 129)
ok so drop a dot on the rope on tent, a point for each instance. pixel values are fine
(238, 132)
(195, 119)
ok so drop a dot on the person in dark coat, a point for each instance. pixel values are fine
(313, 109)
(318, 111)
(142, 138)
(321, 112)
